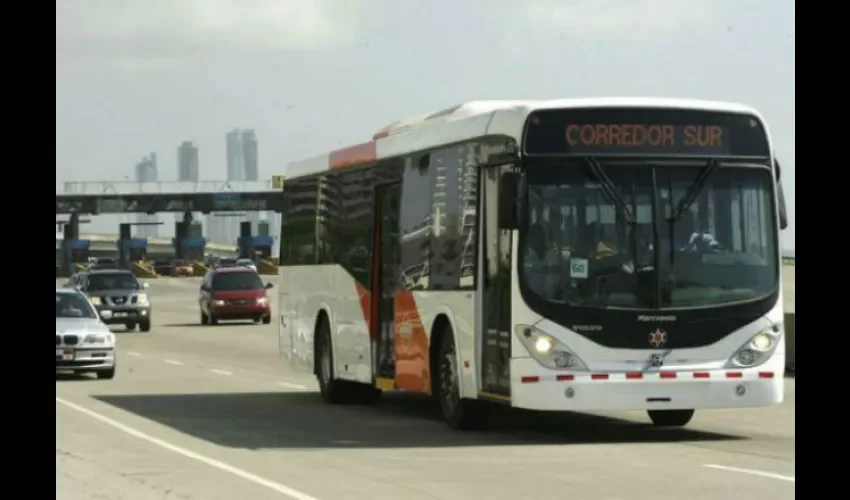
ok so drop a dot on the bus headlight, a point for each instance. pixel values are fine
(758, 349)
(547, 350)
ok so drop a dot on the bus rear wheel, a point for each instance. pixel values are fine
(336, 391)
(670, 418)
(459, 413)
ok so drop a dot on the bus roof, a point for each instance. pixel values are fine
(476, 119)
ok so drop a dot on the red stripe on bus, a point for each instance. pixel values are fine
(354, 155)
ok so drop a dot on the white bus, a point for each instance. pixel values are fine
(567, 255)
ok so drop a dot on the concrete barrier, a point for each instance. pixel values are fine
(267, 267)
(143, 270)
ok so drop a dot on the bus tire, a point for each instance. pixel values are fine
(332, 390)
(670, 418)
(459, 413)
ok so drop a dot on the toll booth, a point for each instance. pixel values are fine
(73, 249)
(245, 242)
(74, 252)
(132, 249)
(263, 246)
(254, 247)
(189, 244)
(190, 247)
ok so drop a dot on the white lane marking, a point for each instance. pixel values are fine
(292, 386)
(173, 362)
(751, 472)
(277, 487)
(133, 353)
(220, 372)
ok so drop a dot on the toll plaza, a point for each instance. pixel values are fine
(150, 198)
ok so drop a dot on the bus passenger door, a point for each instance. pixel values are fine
(495, 279)
(385, 258)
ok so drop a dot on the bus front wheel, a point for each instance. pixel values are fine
(670, 418)
(458, 412)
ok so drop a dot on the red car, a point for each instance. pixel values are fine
(232, 293)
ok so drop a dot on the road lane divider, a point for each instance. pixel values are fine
(288, 385)
(751, 472)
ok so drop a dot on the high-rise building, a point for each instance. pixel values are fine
(187, 162)
(242, 160)
(242, 165)
(146, 171)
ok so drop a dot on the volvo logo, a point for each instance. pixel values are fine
(658, 338)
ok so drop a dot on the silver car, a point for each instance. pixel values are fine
(120, 293)
(84, 343)
(247, 263)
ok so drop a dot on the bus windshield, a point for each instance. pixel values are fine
(583, 247)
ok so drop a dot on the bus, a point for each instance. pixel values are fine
(603, 254)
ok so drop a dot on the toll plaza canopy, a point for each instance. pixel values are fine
(109, 203)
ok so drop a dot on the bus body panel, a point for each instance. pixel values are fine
(702, 378)
(311, 290)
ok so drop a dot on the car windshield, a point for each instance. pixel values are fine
(73, 305)
(112, 281)
(578, 248)
(236, 281)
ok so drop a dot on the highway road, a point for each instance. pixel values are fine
(210, 413)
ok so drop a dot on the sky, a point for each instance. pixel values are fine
(141, 76)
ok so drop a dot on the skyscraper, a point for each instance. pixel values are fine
(146, 169)
(187, 162)
(242, 161)
(242, 165)
(146, 172)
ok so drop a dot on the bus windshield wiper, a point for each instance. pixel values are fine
(609, 191)
(694, 190)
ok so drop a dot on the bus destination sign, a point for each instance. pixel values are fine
(642, 132)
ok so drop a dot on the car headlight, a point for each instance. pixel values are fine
(218, 302)
(547, 350)
(94, 338)
(262, 301)
(142, 298)
(95, 300)
(758, 349)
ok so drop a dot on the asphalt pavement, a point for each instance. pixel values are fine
(212, 413)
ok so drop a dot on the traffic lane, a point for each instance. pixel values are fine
(252, 352)
(401, 449)
(94, 460)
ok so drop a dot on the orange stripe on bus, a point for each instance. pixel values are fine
(365, 298)
(354, 155)
(412, 368)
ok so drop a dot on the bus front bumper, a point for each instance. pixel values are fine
(535, 388)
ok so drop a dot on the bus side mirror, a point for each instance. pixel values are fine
(508, 196)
